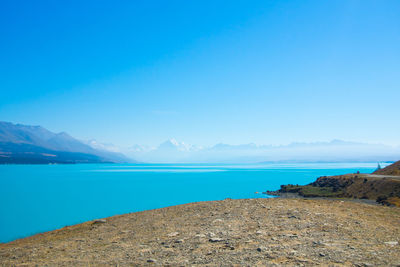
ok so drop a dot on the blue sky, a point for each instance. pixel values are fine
(203, 72)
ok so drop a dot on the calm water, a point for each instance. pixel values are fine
(38, 198)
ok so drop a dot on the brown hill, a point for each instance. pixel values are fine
(383, 189)
(393, 169)
(248, 232)
(382, 186)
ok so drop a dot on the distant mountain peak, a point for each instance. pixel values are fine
(172, 141)
(336, 150)
(173, 144)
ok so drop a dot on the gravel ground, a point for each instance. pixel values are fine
(248, 232)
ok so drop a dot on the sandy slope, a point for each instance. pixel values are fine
(224, 233)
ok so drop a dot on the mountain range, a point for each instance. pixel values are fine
(37, 145)
(172, 151)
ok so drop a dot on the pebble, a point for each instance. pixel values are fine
(392, 243)
(215, 239)
(262, 249)
(200, 235)
(173, 234)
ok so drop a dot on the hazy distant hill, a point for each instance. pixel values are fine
(35, 144)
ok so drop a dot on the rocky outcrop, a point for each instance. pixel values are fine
(384, 190)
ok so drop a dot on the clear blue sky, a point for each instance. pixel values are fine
(203, 72)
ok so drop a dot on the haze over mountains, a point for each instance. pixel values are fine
(335, 151)
(35, 144)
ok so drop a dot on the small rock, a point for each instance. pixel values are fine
(99, 221)
(215, 239)
(151, 260)
(200, 235)
(211, 234)
(321, 254)
(179, 241)
(260, 249)
(392, 243)
(270, 256)
(173, 234)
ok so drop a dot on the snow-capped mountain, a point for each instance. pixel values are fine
(174, 151)
(335, 151)
(173, 145)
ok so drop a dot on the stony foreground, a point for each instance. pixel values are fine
(247, 232)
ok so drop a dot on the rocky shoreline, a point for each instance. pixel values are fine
(381, 186)
(247, 232)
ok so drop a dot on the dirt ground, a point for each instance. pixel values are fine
(248, 232)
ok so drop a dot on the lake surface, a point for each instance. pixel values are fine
(38, 198)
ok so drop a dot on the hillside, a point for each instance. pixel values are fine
(382, 186)
(393, 169)
(11, 153)
(249, 232)
(37, 145)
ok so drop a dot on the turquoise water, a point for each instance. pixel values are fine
(38, 198)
